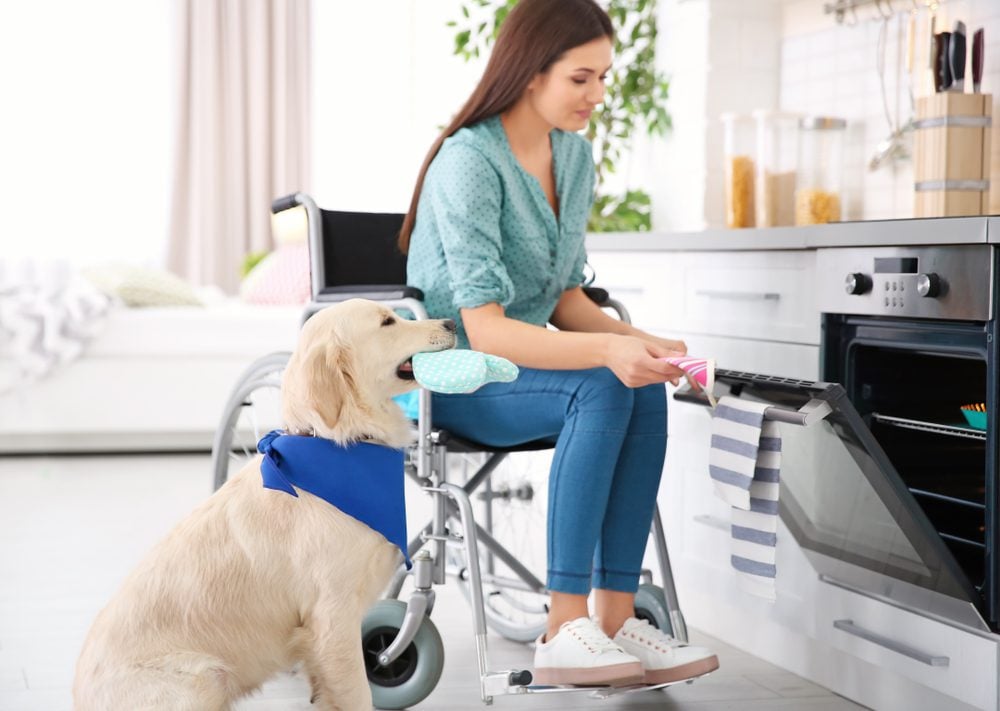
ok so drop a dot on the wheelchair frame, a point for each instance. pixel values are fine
(428, 466)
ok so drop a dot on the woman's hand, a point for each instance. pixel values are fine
(673, 348)
(636, 361)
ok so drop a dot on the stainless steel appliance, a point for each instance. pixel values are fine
(891, 494)
(910, 333)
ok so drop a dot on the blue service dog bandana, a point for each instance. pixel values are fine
(363, 480)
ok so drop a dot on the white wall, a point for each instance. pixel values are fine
(385, 81)
(86, 129)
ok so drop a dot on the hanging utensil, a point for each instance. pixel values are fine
(892, 147)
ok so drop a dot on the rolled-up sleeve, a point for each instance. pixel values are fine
(465, 194)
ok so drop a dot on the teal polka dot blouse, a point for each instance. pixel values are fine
(485, 233)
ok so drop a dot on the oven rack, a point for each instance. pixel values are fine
(936, 428)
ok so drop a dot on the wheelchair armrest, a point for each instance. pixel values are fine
(599, 296)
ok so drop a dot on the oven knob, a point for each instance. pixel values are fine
(929, 285)
(856, 283)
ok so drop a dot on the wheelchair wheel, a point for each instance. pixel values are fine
(651, 605)
(253, 410)
(412, 677)
(518, 496)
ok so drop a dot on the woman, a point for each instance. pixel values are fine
(495, 237)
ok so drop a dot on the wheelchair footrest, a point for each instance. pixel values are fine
(602, 692)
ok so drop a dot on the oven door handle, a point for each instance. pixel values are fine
(810, 413)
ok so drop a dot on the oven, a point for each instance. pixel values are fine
(910, 335)
(888, 490)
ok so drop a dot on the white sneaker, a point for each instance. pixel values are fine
(582, 655)
(663, 658)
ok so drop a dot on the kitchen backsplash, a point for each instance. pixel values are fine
(832, 69)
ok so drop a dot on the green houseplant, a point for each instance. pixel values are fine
(636, 97)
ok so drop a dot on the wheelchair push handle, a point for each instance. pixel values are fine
(598, 295)
(285, 202)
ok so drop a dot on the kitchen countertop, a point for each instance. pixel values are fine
(927, 231)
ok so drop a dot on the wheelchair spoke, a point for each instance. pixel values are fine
(254, 410)
(515, 496)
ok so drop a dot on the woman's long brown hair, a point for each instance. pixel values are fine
(534, 36)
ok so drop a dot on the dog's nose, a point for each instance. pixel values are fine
(448, 325)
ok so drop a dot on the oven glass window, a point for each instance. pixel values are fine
(842, 498)
(828, 499)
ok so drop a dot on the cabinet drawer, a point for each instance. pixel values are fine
(647, 283)
(958, 663)
(762, 295)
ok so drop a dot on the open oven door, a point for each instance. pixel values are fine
(846, 505)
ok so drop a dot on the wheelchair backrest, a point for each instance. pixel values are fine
(359, 249)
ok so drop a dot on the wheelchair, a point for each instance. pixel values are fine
(487, 552)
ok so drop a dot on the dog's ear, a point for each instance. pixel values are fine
(321, 394)
(337, 402)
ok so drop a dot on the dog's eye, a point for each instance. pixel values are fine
(388, 321)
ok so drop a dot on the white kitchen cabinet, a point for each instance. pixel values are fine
(754, 312)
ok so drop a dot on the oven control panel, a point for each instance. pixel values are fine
(942, 282)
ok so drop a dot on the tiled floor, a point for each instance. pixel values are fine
(72, 527)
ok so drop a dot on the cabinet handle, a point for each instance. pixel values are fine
(933, 660)
(711, 522)
(739, 295)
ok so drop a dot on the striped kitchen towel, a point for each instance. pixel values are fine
(745, 463)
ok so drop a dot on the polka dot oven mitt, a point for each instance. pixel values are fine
(461, 371)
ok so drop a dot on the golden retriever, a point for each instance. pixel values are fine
(256, 581)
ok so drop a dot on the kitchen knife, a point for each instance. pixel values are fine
(956, 58)
(942, 71)
(932, 50)
(977, 59)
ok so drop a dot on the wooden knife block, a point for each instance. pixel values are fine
(951, 157)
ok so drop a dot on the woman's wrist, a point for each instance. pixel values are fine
(607, 344)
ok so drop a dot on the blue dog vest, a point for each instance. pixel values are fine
(364, 480)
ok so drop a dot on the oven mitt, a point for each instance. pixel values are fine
(700, 370)
(460, 370)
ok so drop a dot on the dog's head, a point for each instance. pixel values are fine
(351, 359)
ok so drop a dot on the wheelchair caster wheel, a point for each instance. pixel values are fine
(651, 605)
(520, 678)
(412, 677)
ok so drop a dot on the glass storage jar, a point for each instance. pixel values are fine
(738, 147)
(818, 184)
(777, 163)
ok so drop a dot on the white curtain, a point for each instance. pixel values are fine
(243, 130)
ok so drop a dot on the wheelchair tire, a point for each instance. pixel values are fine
(651, 605)
(515, 630)
(413, 676)
(228, 453)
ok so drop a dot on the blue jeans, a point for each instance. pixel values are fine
(610, 444)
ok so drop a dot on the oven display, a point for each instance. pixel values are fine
(895, 265)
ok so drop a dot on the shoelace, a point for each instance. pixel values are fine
(643, 632)
(592, 636)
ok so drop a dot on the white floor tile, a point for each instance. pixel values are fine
(71, 528)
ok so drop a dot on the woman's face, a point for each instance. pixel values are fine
(566, 94)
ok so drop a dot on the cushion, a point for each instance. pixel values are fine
(142, 286)
(282, 277)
